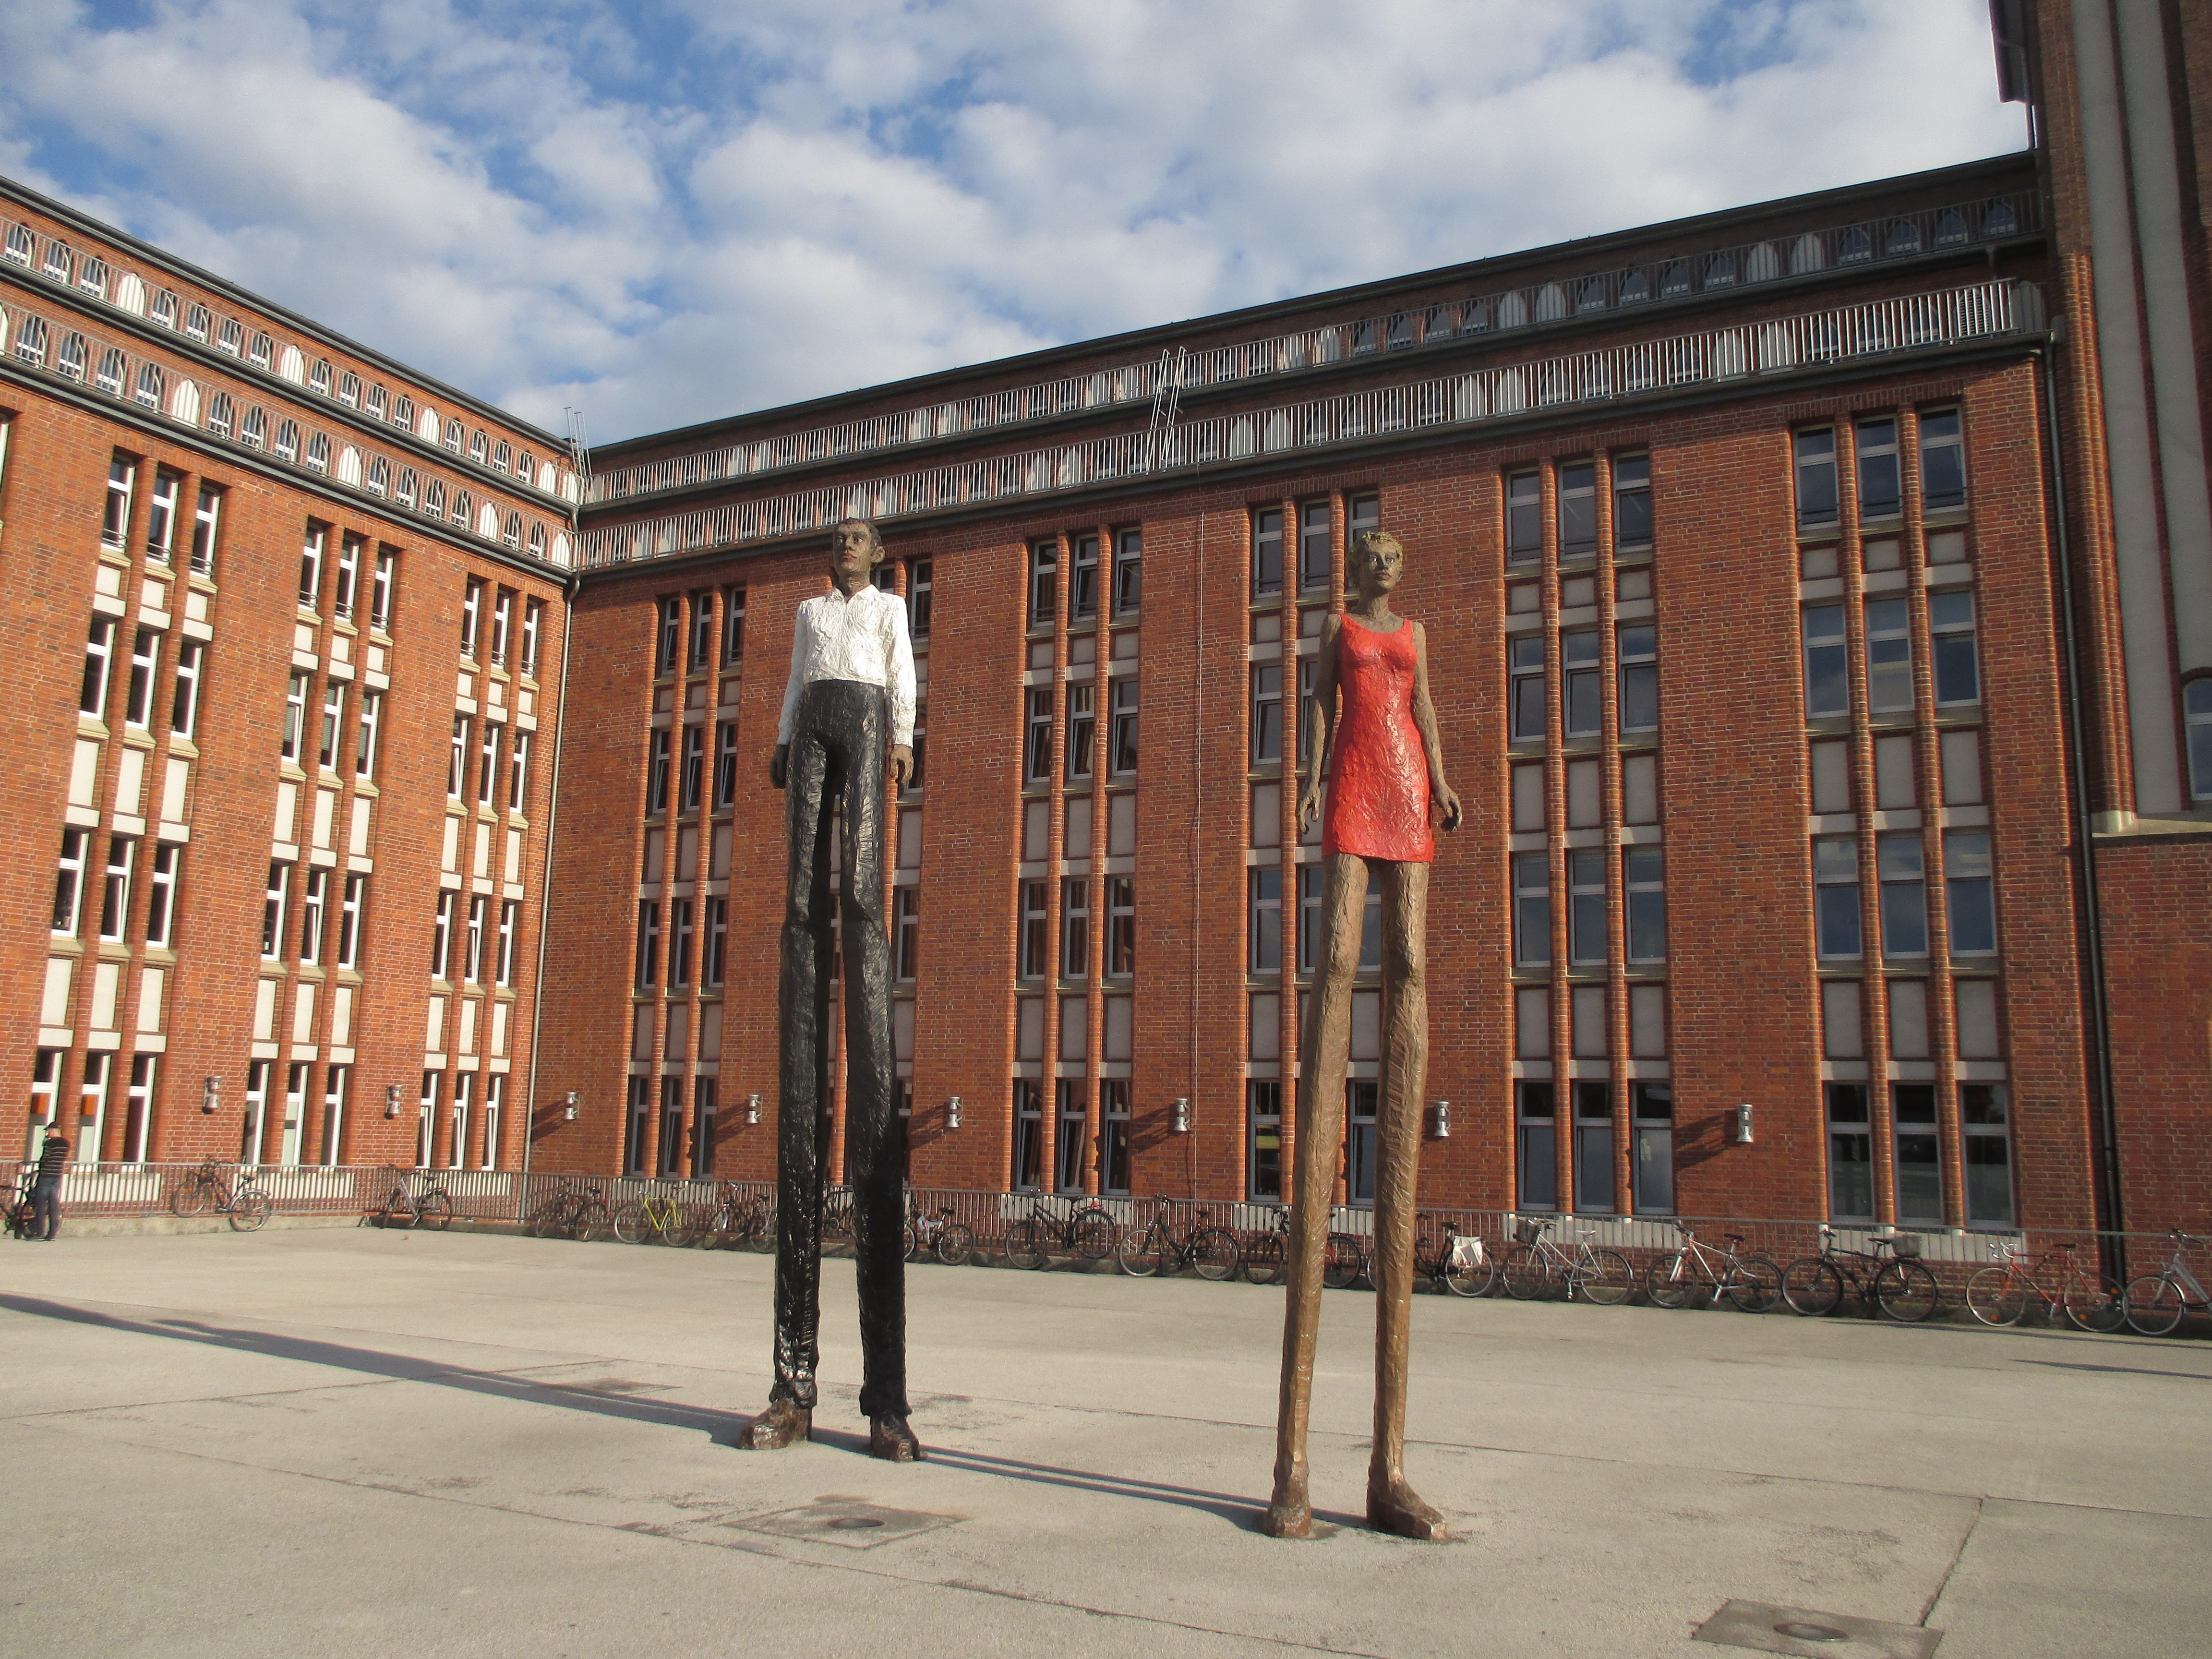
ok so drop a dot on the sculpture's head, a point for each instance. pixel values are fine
(855, 550)
(1376, 562)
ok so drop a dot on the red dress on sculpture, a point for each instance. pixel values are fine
(1378, 771)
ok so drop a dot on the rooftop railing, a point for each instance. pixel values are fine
(1628, 288)
(1711, 357)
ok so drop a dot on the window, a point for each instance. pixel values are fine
(162, 897)
(1879, 494)
(311, 565)
(347, 575)
(69, 882)
(349, 918)
(1264, 926)
(1082, 579)
(1525, 692)
(718, 940)
(1309, 883)
(1651, 1151)
(2197, 704)
(115, 889)
(162, 517)
(1075, 927)
(1028, 1173)
(1827, 671)
(1942, 462)
(1851, 1153)
(1266, 713)
(272, 910)
(1969, 893)
(1314, 542)
(410, 486)
(115, 518)
(21, 245)
(695, 768)
(457, 758)
(1122, 750)
(453, 434)
(1036, 764)
(733, 626)
(1266, 553)
(1082, 732)
(220, 413)
(533, 619)
(1120, 927)
(1532, 911)
(254, 430)
(326, 753)
(1586, 918)
(69, 360)
(1524, 518)
(471, 611)
(1951, 631)
(185, 705)
(441, 936)
(488, 765)
(112, 367)
(295, 716)
(364, 755)
(380, 593)
(1639, 679)
(1899, 862)
(1577, 509)
(145, 663)
(1631, 501)
(472, 950)
(679, 941)
(919, 576)
(312, 899)
(1044, 583)
(1128, 571)
(702, 631)
(1816, 478)
(1889, 656)
(1263, 1138)
(349, 386)
(204, 528)
(1035, 929)
(906, 918)
(1644, 871)
(656, 777)
(1537, 1145)
(1987, 1154)
(150, 386)
(1919, 1173)
(648, 944)
(1582, 684)
(99, 648)
(1836, 896)
(518, 771)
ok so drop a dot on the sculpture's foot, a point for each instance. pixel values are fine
(1289, 1515)
(1394, 1507)
(891, 1439)
(782, 1425)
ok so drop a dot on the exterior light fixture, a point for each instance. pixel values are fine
(392, 1100)
(1743, 1124)
(568, 1103)
(1183, 1114)
(1443, 1120)
(952, 1113)
(752, 1109)
(211, 1096)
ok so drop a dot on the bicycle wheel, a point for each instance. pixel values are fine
(1264, 1261)
(630, 1223)
(760, 1229)
(913, 1240)
(1213, 1252)
(1138, 1254)
(1996, 1296)
(1470, 1274)
(1812, 1286)
(1906, 1291)
(1342, 1261)
(1025, 1245)
(1528, 1273)
(2094, 1303)
(955, 1244)
(1606, 1278)
(588, 1220)
(1673, 1279)
(192, 1196)
(249, 1210)
(1753, 1284)
(436, 1208)
(1092, 1235)
(2153, 1305)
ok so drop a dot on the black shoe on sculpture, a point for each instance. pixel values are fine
(891, 1439)
(782, 1425)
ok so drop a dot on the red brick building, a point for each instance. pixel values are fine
(1808, 586)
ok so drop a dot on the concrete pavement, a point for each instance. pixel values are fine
(361, 1441)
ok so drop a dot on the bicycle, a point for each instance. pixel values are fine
(1694, 1270)
(1898, 1283)
(576, 1210)
(1458, 1262)
(656, 1214)
(1999, 1295)
(1535, 1267)
(1086, 1230)
(1266, 1258)
(2155, 1302)
(1211, 1250)
(404, 1206)
(937, 1234)
(22, 1215)
(741, 1219)
(205, 1190)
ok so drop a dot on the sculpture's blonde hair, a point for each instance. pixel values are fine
(1367, 538)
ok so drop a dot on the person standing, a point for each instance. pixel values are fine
(46, 1186)
(847, 713)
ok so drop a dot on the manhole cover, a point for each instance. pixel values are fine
(847, 1524)
(1812, 1633)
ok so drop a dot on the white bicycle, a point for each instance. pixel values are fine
(2157, 1302)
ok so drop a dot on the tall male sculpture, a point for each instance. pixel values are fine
(851, 687)
(1385, 771)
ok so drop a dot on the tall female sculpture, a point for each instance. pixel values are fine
(1385, 781)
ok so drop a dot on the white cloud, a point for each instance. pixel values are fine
(665, 216)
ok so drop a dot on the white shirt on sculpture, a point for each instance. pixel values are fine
(863, 638)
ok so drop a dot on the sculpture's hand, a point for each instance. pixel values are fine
(1308, 805)
(901, 765)
(779, 766)
(1449, 802)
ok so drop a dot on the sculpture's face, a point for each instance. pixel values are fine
(852, 554)
(1375, 564)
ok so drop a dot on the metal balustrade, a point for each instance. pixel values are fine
(1712, 357)
(1633, 288)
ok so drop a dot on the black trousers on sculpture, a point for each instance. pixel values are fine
(836, 766)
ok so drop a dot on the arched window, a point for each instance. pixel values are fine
(113, 368)
(477, 447)
(1854, 245)
(464, 505)
(164, 309)
(349, 466)
(21, 245)
(197, 321)
(94, 278)
(1764, 266)
(257, 353)
(374, 402)
(1950, 228)
(288, 440)
(59, 261)
(454, 435)
(319, 451)
(230, 337)
(536, 541)
(1808, 253)
(1550, 303)
(526, 468)
(130, 294)
(319, 377)
(70, 360)
(512, 535)
(1720, 270)
(1674, 281)
(502, 457)
(1903, 237)
(349, 389)
(185, 402)
(379, 477)
(1512, 309)
(150, 385)
(1637, 289)
(560, 553)
(2000, 221)
(433, 499)
(2197, 707)
(31, 341)
(426, 426)
(254, 430)
(405, 493)
(219, 414)
(1591, 295)
(292, 364)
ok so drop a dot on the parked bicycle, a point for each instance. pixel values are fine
(406, 1206)
(22, 1215)
(1454, 1261)
(1211, 1250)
(658, 1216)
(1087, 1231)
(2000, 1295)
(570, 1210)
(1266, 1256)
(2157, 1302)
(937, 1234)
(1535, 1267)
(740, 1217)
(1898, 1283)
(1695, 1271)
(205, 1188)
(837, 1213)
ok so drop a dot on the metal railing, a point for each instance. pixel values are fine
(1977, 311)
(1629, 288)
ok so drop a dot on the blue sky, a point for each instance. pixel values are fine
(665, 213)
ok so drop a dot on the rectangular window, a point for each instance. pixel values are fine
(1639, 679)
(920, 578)
(1310, 885)
(1586, 919)
(1082, 735)
(534, 626)
(656, 776)
(312, 905)
(1532, 910)
(717, 941)
(205, 516)
(670, 637)
(1631, 502)
(502, 617)
(1889, 656)
(679, 941)
(1526, 687)
(1900, 861)
(648, 944)
(1121, 748)
(441, 936)
(702, 630)
(1082, 579)
(1120, 927)
(725, 766)
(379, 593)
(1828, 669)
(1524, 518)
(145, 665)
(1537, 1145)
(349, 918)
(161, 516)
(115, 890)
(694, 766)
(1035, 926)
(138, 1116)
(1266, 713)
(1851, 1153)
(1266, 553)
(473, 945)
(295, 716)
(1263, 1134)
(1044, 583)
(1879, 494)
(1919, 1170)
(364, 755)
(115, 519)
(311, 565)
(272, 910)
(1836, 894)
(1644, 871)
(185, 703)
(1029, 1136)
(1651, 1166)
(1075, 926)
(1951, 641)
(1583, 692)
(69, 882)
(326, 752)
(161, 895)
(1816, 479)
(457, 758)
(1037, 760)
(1264, 928)
(2196, 701)
(1577, 509)
(472, 614)
(1969, 893)
(1314, 540)
(99, 652)
(906, 932)
(1361, 1100)
(348, 576)
(1942, 462)
(1128, 571)
(1987, 1154)
(518, 771)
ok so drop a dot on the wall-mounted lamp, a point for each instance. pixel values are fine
(752, 1109)
(952, 1113)
(1443, 1120)
(569, 1101)
(1743, 1124)
(1183, 1114)
(392, 1100)
(211, 1096)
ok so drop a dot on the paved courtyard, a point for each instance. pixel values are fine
(348, 1442)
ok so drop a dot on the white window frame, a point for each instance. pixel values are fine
(115, 887)
(351, 907)
(184, 706)
(68, 879)
(115, 519)
(161, 894)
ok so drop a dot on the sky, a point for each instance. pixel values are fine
(663, 213)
